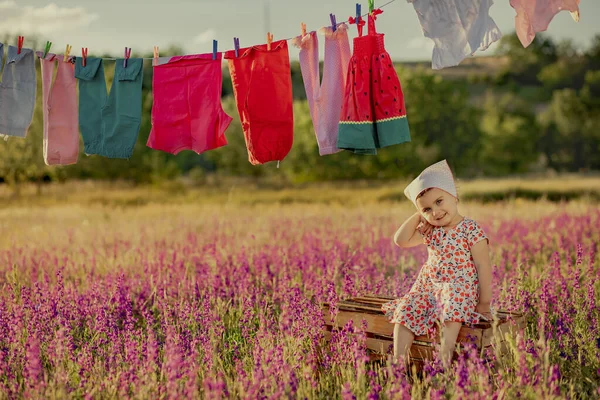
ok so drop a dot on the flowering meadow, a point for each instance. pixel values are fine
(223, 301)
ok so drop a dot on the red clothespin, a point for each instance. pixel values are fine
(214, 49)
(269, 40)
(333, 22)
(302, 29)
(127, 55)
(155, 60)
(67, 53)
(20, 44)
(84, 53)
(236, 46)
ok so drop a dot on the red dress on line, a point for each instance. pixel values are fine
(373, 112)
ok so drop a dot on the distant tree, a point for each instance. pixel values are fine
(568, 71)
(524, 64)
(510, 136)
(593, 53)
(571, 126)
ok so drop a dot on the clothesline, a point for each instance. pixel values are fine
(363, 110)
(337, 24)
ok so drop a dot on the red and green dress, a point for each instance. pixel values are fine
(373, 113)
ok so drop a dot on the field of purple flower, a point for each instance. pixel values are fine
(224, 301)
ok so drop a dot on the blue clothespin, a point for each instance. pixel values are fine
(236, 46)
(214, 49)
(333, 23)
(357, 12)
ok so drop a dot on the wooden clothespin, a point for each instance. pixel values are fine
(84, 53)
(155, 59)
(126, 57)
(302, 29)
(214, 49)
(236, 46)
(20, 44)
(47, 48)
(269, 40)
(67, 53)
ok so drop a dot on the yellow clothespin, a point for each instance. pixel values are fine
(575, 15)
(67, 53)
(303, 28)
(155, 61)
(269, 40)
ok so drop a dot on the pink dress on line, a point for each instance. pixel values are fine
(325, 99)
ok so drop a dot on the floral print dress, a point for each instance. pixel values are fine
(447, 287)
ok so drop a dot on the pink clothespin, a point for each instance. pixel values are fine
(236, 46)
(84, 53)
(127, 55)
(20, 44)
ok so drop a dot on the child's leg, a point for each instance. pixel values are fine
(403, 338)
(449, 335)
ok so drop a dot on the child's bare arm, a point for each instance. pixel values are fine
(481, 257)
(408, 235)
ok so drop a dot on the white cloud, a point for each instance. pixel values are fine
(42, 20)
(205, 37)
(420, 43)
(5, 5)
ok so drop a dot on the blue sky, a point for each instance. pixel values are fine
(107, 26)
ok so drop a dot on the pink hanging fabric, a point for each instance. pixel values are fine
(534, 16)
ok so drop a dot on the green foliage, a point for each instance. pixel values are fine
(509, 128)
(524, 64)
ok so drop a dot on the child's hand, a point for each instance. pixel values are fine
(424, 227)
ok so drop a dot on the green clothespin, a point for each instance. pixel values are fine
(47, 49)
(371, 6)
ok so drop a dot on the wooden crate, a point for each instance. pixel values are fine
(380, 331)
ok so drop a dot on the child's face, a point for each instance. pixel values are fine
(438, 207)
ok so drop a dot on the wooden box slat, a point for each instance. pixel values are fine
(379, 333)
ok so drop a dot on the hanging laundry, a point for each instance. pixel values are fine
(458, 28)
(262, 86)
(373, 112)
(17, 91)
(325, 99)
(535, 15)
(187, 112)
(109, 123)
(59, 100)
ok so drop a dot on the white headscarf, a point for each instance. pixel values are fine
(437, 175)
